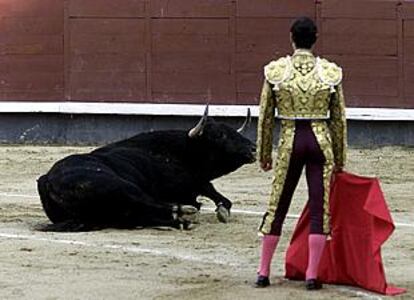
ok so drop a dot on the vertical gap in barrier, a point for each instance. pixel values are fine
(318, 20)
(148, 52)
(400, 53)
(233, 46)
(66, 51)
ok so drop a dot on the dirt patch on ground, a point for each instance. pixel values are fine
(213, 261)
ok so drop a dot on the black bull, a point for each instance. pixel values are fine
(143, 180)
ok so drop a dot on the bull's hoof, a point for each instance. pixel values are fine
(187, 226)
(187, 214)
(223, 214)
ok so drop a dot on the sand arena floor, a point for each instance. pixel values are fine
(212, 261)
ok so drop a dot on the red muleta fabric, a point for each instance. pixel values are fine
(361, 223)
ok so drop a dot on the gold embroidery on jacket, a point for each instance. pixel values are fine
(338, 127)
(266, 123)
(323, 137)
(284, 150)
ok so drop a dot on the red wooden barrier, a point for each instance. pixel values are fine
(31, 50)
(185, 51)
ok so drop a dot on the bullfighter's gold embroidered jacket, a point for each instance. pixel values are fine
(302, 86)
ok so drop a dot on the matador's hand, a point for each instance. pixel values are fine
(266, 165)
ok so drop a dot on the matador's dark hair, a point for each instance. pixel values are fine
(304, 32)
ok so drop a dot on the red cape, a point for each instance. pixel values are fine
(361, 223)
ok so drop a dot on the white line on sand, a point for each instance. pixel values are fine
(18, 196)
(131, 249)
(162, 253)
(289, 216)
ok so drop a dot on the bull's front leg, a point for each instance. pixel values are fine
(222, 203)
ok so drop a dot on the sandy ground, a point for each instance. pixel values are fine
(213, 261)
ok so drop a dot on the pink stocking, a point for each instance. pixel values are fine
(316, 246)
(269, 243)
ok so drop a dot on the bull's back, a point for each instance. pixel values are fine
(77, 177)
(82, 188)
(87, 178)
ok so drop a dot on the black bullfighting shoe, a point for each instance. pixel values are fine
(186, 215)
(313, 285)
(262, 281)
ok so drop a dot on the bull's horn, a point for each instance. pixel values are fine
(246, 122)
(198, 129)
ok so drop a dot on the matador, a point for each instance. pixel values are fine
(306, 91)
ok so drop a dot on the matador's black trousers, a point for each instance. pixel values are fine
(306, 152)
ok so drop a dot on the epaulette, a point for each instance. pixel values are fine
(329, 72)
(278, 71)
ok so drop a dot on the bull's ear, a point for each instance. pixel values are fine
(246, 123)
(198, 129)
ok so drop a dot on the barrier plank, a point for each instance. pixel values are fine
(31, 25)
(107, 62)
(30, 44)
(191, 43)
(361, 9)
(190, 8)
(108, 86)
(32, 63)
(250, 82)
(345, 36)
(107, 8)
(32, 8)
(31, 80)
(184, 26)
(264, 36)
(122, 36)
(210, 86)
(194, 62)
(280, 8)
